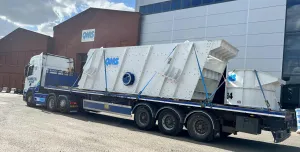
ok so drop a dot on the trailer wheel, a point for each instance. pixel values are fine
(51, 102)
(63, 104)
(30, 100)
(200, 127)
(143, 118)
(169, 122)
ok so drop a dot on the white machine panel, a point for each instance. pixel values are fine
(244, 90)
(164, 70)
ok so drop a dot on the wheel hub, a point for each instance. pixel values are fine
(51, 103)
(168, 122)
(63, 103)
(29, 99)
(201, 127)
(144, 118)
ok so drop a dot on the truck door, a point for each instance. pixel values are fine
(33, 73)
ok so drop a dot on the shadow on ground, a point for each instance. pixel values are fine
(230, 143)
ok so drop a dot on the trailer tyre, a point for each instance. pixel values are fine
(200, 127)
(143, 118)
(51, 102)
(30, 100)
(169, 122)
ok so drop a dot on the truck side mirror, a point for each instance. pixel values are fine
(26, 71)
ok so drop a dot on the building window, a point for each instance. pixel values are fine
(196, 3)
(149, 9)
(175, 5)
(186, 3)
(291, 61)
(208, 1)
(143, 10)
(166, 6)
(290, 93)
(157, 8)
(291, 53)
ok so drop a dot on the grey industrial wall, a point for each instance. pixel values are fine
(255, 27)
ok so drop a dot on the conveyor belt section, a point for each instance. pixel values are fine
(263, 112)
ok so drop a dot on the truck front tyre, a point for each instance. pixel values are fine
(169, 122)
(51, 103)
(200, 127)
(143, 118)
(30, 100)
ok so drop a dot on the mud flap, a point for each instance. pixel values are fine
(281, 135)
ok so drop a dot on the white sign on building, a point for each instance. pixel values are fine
(88, 35)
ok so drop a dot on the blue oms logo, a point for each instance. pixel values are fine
(112, 61)
(88, 35)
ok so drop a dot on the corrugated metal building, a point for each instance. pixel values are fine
(15, 51)
(267, 33)
(95, 28)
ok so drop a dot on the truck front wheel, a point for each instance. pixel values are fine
(30, 101)
(143, 118)
(169, 122)
(200, 127)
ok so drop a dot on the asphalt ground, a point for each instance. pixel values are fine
(35, 129)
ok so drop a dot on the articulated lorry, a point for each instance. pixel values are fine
(176, 85)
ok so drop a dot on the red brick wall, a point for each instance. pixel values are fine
(113, 29)
(16, 49)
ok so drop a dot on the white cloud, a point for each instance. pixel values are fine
(31, 12)
(4, 18)
(46, 28)
(45, 14)
(107, 5)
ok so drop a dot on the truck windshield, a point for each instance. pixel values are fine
(28, 70)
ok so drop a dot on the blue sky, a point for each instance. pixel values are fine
(42, 15)
(130, 3)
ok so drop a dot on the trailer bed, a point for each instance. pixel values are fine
(262, 112)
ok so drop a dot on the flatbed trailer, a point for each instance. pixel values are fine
(221, 120)
(50, 83)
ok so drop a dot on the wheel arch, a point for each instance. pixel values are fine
(176, 110)
(29, 91)
(51, 94)
(151, 107)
